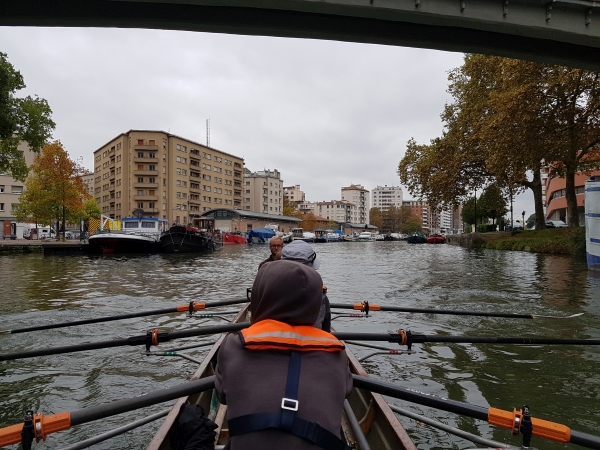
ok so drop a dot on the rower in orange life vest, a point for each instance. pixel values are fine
(284, 380)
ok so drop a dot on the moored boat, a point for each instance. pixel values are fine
(380, 426)
(435, 239)
(416, 238)
(137, 235)
(234, 238)
(365, 236)
(260, 236)
(187, 239)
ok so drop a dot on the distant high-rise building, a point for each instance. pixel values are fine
(263, 192)
(359, 196)
(383, 197)
(165, 176)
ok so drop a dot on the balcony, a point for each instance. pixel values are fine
(145, 147)
(198, 190)
(151, 173)
(146, 198)
(111, 165)
(137, 159)
(145, 185)
(150, 210)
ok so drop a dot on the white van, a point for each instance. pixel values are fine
(38, 233)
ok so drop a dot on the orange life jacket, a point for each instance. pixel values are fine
(271, 334)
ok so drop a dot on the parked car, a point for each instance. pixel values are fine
(555, 224)
(72, 234)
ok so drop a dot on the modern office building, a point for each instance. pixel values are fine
(340, 211)
(165, 176)
(263, 192)
(359, 196)
(383, 197)
(10, 190)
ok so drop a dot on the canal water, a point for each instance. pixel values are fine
(559, 383)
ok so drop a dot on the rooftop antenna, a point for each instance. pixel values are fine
(208, 132)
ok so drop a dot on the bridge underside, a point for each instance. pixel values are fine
(558, 33)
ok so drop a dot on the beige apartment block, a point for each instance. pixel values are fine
(263, 192)
(88, 181)
(10, 190)
(164, 175)
(383, 197)
(307, 207)
(294, 194)
(338, 210)
(359, 196)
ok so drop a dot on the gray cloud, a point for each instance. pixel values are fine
(324, 113)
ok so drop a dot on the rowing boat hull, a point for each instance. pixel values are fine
(382, 428)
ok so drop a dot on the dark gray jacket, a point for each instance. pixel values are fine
(253, 381)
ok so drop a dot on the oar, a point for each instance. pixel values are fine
(366, 307)
(402, 337)
(44, 425)
(191, 308)
(153, 337)
(407, 338)
(505, 419)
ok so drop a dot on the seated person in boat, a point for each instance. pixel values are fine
(275, 245)
(284, 380)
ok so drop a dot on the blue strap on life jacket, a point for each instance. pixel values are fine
(286, 419)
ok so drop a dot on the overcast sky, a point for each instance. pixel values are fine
(325, 114)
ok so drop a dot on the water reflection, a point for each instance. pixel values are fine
(558, 383)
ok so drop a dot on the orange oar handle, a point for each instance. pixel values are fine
(196, 305)
(544, 428)
(42, 425)
(372, 307)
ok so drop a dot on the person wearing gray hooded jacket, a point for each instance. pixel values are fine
(266, 410)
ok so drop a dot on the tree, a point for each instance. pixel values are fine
(468, 212)
(411, 225)
(54, 188)
(21, 119)
(376, 217)
(288, 207)
(492, 203)
(309, 222)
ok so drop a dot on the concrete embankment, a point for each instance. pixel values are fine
(23, 246)
(556, 241)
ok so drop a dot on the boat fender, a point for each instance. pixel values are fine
(286, 419)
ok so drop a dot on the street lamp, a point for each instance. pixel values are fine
(523, 213)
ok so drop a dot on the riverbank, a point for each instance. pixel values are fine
(554, 241)
(49, 246)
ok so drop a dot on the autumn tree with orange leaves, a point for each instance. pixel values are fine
(54, 188)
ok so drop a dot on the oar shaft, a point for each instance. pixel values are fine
(129, 404)
(156, 312)
(135, 340)
(375, 307)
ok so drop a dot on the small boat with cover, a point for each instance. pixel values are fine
(416, 238)
(435, 239)
(260, 236)
(367, 411)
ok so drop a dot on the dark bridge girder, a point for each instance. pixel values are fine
(556, 32)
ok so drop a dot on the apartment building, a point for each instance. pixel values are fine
(164, 175)
(383, 197)
(555, 196)
(263, 192)
(10, 190)
(340, 211)
(307, 207)
(359, 196)
(421, 210)
(88, 182)
(294, 194)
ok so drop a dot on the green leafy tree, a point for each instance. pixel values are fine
(288, 207)
(411, 225)
(492, 203)
(21, 119)
(468, 213)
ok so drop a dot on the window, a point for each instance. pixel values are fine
(16, 190)
(151, 155)
(140, 142)
(178, 195)
(178, 171)
(152, 142)
(1, 206)
(177, 206)
(178, 182)
(140, 154)
(140, 179)
(151, 180)
(164, 157)
(184, 160)
(1, 188)
(140, 192)
(151, 167)
(178, 159)
(183, 172)
(140, 204)
(119, 156)
(178, 147)
(184, 183)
